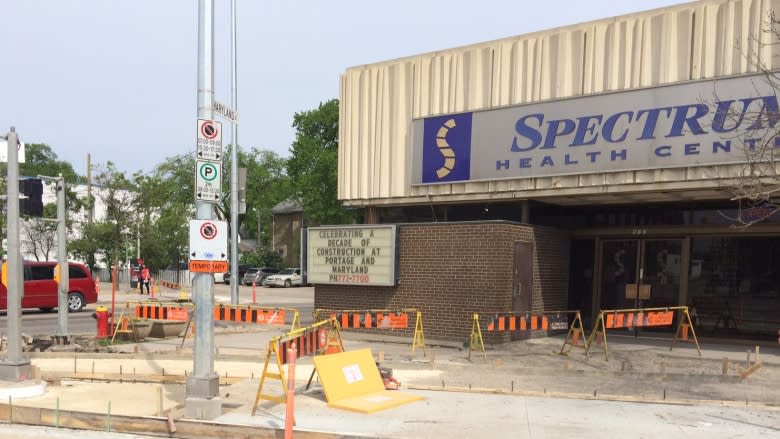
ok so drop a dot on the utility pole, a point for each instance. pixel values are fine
(14, 367)
(202, 399)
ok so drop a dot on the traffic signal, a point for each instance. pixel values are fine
(33, 189)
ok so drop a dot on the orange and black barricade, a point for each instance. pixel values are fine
(378, 319)
(510, 321)
(643, 317)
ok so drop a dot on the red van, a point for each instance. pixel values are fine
(40, 289)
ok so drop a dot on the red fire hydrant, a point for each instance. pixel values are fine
(101, 315)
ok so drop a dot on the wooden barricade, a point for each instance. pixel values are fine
(378, 319)
(317, 339)
(643, 317)
(510, 321)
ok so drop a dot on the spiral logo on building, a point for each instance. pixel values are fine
(447, 148)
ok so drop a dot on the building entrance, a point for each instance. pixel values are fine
(640, 273)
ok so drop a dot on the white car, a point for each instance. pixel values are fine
(285, 278)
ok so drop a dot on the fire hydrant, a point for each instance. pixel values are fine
(101, 315)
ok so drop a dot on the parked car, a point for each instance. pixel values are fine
(285, 278)
(258, 275)
(242, 268)
(40, 288)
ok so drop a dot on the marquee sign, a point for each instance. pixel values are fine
(351, 255)
(690, 124)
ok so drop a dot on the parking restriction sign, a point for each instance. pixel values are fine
(208, 181)
(209, 140)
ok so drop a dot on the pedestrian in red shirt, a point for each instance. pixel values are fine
(144, 279)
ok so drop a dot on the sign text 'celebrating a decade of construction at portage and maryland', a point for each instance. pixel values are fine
(354, 255)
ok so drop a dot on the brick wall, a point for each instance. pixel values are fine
(451, 270)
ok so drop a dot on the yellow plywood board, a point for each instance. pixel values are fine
(351, 381)
(374, 402)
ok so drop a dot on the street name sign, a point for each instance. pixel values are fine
(226, 112)
(208, 246)
(209, 140)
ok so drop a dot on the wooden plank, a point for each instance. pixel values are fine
(185, 428)
(747, 372)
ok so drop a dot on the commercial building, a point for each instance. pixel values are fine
(559, 169)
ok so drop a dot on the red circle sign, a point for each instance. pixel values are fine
(209, 130)
(208, 230)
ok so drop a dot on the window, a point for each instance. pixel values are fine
(75, 272)
(41, 272)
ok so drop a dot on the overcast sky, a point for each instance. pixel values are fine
(118, 78)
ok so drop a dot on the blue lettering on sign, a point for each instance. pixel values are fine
(624, 137)
(687, 119)
(208, 255)
(447, 148)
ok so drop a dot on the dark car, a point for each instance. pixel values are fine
(242, 269)
(257, 275)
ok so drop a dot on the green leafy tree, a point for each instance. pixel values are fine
(313, 165)
(109, 236)
(165, 204)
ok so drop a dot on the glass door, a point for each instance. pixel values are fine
(640, 273)
(660, 273)
(619, 268)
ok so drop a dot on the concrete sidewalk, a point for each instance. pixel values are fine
(522, 388)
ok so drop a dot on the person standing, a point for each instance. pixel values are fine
(144, 279)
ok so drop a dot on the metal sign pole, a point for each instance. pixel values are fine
(202, 393)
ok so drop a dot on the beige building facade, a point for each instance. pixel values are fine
(626, 135)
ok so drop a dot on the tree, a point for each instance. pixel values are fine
(106, 237)
(313, 165)
(166, 203)
(38, 236)
(756, 189)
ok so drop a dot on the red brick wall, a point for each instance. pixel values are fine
(451, 270)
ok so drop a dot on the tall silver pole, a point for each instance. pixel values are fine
(14, 367)
(202, 394)
(233, 163)
(62, 256)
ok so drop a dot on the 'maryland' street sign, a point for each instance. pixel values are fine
(225, 111)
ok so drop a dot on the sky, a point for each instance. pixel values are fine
(118, 79)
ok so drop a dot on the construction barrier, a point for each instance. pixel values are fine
(377, 319)
(317, 339)
(643, 317)
(257, 314)
(161, 310)
(511, 321)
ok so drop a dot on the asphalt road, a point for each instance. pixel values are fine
(39, 323)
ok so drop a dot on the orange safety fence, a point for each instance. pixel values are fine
(167, 284)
